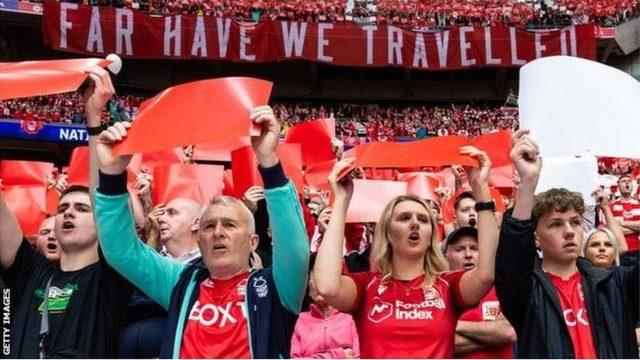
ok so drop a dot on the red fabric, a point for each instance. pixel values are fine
(575, 314)
(346, 43)
(628, 210)
(487, 310)
(402, 320)
(217, 327)
(353, 236)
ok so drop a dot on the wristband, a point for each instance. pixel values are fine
(485, 206)
(95, 130)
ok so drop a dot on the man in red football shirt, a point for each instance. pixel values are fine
(627, 211)
(481, 332)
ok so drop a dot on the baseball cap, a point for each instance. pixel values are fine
(459, 233)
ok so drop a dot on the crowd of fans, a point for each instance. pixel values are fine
(355, 123)
(66, 108)
(405, 13)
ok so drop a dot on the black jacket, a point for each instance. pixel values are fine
(529, 300)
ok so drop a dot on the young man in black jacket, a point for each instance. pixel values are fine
(561, 306)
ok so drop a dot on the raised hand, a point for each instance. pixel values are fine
(266, 144)
(343, 188)
(97, 94)
(107, 161)
(525, 156)
(252, 196)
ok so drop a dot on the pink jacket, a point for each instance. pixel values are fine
(318, 337)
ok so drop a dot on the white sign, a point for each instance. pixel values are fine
(575, 106)
(578, 174)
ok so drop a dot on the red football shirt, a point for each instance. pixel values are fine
(487, 310)
(217, 325)
(628, 210)
(401, 319)
(575, 314)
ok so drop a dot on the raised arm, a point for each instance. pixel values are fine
(475, 283)
(612, 223)
(10, 235)
(338, 290)
(290, 243)
(150, 272)
(515, 258)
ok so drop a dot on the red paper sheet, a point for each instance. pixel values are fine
(195, 182)
(317, 175)
(45, 77)
(207, 111)
(370, 197)
(78, 170)
(245, 167)
(315, 137)
(28, 204)
(438, 151)
(219, 151)
(421, 184)
(502, 177)
(16, 172)
(227, 179)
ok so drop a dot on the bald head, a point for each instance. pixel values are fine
(177, 219)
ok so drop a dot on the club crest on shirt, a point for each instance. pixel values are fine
(260, 285)
(380, 310)
(490, 310)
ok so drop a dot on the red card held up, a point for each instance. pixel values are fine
(438, 151)
(44, 77)
(206, 111)
(17, 172)
(78, 171)
(245, 167)
(174, 181)
(315, 138)
(28, 204)
(421, 184)
(370, 198)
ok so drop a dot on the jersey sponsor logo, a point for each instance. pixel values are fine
(490, 310)
(572, 318)
(380, 311)
(58, 299)
(420, 311)
(260, 285)
(215, 315)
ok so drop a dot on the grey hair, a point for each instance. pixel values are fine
(612, 238)
(231, 201)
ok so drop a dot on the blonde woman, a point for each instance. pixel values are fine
(604, 246)
(408, 305)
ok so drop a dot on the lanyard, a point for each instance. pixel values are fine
(44, 320)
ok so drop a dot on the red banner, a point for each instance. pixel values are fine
(98, 31)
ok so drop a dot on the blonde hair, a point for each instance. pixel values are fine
(381, 252)
(612, 238)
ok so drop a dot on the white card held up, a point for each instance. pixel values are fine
(575, 106)
(578, 174)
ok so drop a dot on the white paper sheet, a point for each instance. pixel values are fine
(575, 174)
(575, 106)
